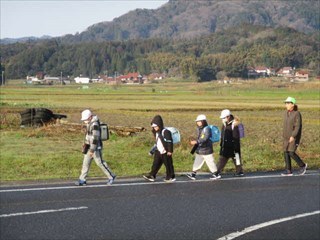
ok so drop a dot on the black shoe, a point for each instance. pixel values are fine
(149, 178)
(80, 183)
(192, 176)
(215, 176)
(239, 174)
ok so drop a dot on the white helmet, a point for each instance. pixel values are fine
(225, 113)
(86, 114)
(201, 117)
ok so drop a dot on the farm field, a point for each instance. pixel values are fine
(54, 151)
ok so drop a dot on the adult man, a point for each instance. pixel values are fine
(230, 143)
(93, 148)
(292, 128)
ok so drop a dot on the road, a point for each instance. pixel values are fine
(257, 206)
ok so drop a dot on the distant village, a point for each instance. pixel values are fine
(130, 78)
(288, 73)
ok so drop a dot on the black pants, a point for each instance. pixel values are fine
(160, 159)
(287, 159)
(223, 161)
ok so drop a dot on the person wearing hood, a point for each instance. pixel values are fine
(230, 143)
(163, 151)
(292, 129)
(203, 149)
(93, 148)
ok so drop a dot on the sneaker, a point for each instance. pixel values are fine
(192, 176)
(215, 176)
(169, 180)
(149, 178)
(240, 174)
(111, 180)
(303, 169)
(81, 183)
(286, 173)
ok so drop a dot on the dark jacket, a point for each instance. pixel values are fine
(203, 140)
(230, 139)
(164, 134)
(292, 127)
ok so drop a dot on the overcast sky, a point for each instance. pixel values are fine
(37, 18)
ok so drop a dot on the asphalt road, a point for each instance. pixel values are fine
(257, 206)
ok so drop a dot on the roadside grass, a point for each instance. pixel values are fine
(54, 151)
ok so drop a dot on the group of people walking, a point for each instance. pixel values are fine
(162, 150)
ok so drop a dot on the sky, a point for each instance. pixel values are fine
(25, 18)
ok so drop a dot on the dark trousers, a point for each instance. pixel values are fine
(160, 159)
(223, 161)
(287, 159)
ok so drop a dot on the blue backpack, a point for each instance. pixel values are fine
(175, 134)
(215, 133)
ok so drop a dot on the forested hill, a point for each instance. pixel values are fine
(229, 52)
(192, 18)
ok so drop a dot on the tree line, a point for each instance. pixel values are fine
(227, 53)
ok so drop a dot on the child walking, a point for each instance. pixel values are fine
(203, 149)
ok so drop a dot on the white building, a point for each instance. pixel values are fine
(82, 80)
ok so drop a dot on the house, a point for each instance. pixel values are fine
(285, 72)
(132, 78)
(156, 76)
(252, 73)
(262, 71)
(302, 76)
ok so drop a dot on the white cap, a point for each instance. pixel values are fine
(225, 113)
(201, 117)
(154, 125)
(86, 114)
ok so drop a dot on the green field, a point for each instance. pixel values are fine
(53, 152)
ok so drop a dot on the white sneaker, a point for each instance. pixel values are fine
(169, 180)
(303, 170)
(191, 176)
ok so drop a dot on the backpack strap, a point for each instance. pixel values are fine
(162, 134)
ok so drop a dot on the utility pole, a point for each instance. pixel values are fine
(2, 79)
(61, 77)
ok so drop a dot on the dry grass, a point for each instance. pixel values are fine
(53, 151)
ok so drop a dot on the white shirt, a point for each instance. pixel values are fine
(160, 146)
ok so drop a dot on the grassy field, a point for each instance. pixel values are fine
(53, 152)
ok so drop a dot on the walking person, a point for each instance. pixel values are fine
(93, 148)
(292, 129)
(230, 143)
(162, 152)
(202, 146)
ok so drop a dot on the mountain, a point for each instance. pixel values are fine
(24, 39)
(179, 19)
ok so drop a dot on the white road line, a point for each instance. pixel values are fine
(118, 184)
(42, 211)
(265, 224)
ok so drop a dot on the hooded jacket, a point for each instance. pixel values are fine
(230, 138)
(164, 134)
(292, 127)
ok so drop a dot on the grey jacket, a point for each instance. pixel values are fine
(93, 135)
(292, 127)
